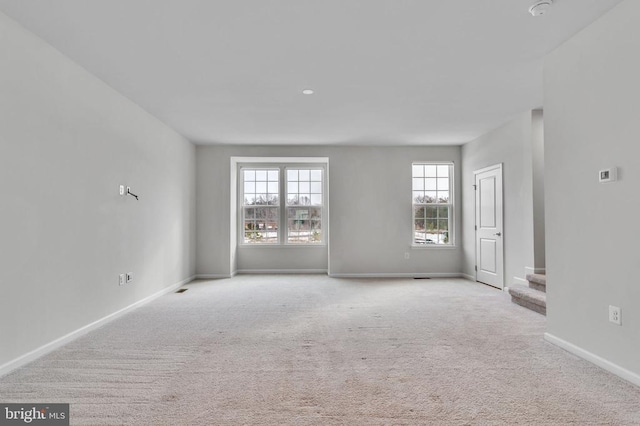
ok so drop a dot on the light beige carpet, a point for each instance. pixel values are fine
(311, 350)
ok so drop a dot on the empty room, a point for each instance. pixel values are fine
(319, 212)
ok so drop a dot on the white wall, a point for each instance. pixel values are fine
(537, 152)
(510, 145)
(370, 212)
(218, 253)
(66, 142)
(592, 100)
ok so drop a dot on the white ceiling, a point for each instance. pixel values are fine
(385, 72)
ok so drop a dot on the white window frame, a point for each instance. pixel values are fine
(243, 208)
(282, 165)
(301, 207)
(451, 206)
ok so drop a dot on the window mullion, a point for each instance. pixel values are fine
(282, 207)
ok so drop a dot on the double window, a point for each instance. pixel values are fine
(432, 186)
(265, 212)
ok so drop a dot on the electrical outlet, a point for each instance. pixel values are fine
(121, 279)
(129, 277)
(121, 189)
(615, 315)
(407, 255)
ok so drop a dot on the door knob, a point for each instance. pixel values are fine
(498, 234)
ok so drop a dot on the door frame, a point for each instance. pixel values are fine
(499, 168)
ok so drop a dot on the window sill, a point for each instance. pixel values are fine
(243, 246)
(433, 246)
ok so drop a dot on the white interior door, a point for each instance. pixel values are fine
(489, 232)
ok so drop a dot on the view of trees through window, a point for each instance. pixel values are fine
(432, 203)
(304, 206)
(262, 204)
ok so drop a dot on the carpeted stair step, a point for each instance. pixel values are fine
(538, 282)
(529, 298)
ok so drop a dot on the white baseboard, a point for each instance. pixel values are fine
(214, 276)
(595, 359)
(531, 270)
(282, 271)
(55, 344)
(518, 280)
(339, 275)
(399, 275)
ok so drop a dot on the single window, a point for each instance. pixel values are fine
(432, 186)
(262, 206)
(304, 205)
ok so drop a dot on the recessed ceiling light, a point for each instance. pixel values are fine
(307, 92)
(540, 8)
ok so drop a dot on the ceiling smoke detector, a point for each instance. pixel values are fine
(540, 8)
